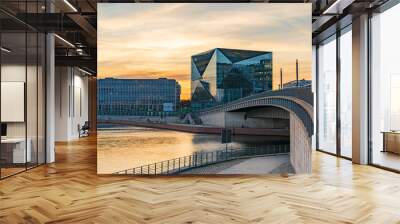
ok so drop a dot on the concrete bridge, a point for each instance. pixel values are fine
(291, 108)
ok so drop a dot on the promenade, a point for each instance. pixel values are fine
(200, 129)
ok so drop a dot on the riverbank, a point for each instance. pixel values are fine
(201, 129)
(122, 147)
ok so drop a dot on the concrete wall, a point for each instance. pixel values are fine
(213, 119)
(154, 119)
(235, 119)
(71, 102)
(258, 118)
(268, 112)
(300, 146)
(266, 123)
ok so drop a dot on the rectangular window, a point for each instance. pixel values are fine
(327, 95)
(385, 89)
(346, 92)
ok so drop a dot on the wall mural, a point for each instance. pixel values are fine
(204, 89)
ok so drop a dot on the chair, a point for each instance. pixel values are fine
(84, 130)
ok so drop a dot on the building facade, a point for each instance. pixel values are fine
(142, 97)
(295, 83)
(222, 75)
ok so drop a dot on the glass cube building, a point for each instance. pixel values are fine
(222, 75)
(137, 97)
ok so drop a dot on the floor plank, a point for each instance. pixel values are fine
(70, 191)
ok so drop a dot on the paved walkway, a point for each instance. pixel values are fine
(257, 165)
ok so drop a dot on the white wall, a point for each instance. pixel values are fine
(33, 126)
(14, 73)
(62, 82)
(50, 94)
(71, 102)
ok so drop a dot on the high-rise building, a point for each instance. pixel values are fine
(137, 96)
(222, 75)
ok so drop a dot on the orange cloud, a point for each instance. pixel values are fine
(158, 40)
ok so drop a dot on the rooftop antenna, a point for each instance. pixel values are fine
(297, 73)
(281, 79)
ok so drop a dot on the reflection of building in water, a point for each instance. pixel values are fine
(137, 96)
(223, 75)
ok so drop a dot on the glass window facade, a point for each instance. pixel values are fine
(22, 66)
(346, 92)
(222, 75)
(334, 104)
(334, 90)
(132, 97)
(385, 89)
(327, 95)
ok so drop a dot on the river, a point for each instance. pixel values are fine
(122, 147)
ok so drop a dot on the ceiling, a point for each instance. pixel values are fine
(75, 21)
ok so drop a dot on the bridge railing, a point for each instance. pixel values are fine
(199, 159)
(301, 92)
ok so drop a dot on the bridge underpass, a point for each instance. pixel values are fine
(252, 117)
(287, 108)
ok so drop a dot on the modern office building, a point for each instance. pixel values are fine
(137, 96)
(222, 75)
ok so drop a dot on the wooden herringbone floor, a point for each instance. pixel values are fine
(69, 191)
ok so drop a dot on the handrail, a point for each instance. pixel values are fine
(199, 159)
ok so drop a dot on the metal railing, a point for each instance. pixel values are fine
(199, 159)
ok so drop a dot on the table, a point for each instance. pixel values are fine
(391, 141)
(13, 150)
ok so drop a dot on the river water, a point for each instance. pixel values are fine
(120, 148)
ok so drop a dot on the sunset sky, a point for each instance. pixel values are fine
(150, 40)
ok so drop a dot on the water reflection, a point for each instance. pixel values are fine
(120, 148)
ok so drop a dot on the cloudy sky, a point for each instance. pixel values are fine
(150, 40)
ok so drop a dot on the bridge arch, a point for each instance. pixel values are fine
(298, 102)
